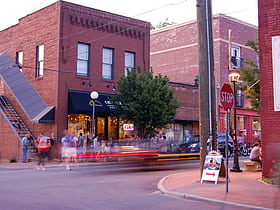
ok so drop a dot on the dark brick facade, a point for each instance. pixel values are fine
(59, 27)
(269, 18)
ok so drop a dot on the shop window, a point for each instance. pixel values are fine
(79, 123)
(240, 122)
(256, 127)
(112, 127)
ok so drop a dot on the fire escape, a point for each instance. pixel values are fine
(25, 95)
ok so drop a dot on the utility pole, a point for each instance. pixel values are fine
(207, 89)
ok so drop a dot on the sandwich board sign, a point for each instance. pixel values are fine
(211, 168)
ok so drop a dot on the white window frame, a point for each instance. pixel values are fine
(276, 71)
(19, 59)
(39, 60)
(107, 63)
(83, 55)
(129, 62)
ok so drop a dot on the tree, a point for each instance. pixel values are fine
(146, 100)
(250, 75)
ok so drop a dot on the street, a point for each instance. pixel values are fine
(100, 186)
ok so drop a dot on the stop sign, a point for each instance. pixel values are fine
(226, 96)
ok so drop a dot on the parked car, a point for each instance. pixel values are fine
(221, 141)
(187, 146)
(194, 147)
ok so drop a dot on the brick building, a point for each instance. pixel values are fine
(174, 52)
(269, 45)
(186, 123)
(63, 52)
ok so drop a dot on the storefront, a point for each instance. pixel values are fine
(247, 122)
(107, 126)
(181, 131)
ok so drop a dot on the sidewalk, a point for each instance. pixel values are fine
(245, 189)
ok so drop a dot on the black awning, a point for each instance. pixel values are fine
(79, 102)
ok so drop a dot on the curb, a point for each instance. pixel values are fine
(48, 165)
(198, 198)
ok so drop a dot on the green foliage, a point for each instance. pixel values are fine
(250, 75)
(146, 100)
(275, 180)
(276, 173)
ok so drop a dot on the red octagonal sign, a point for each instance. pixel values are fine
(227, 96)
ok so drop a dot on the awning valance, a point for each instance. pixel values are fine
(79, 102)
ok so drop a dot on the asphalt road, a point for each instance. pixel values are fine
(108, 186)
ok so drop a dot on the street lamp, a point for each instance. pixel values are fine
(94, 96)
(234, 77)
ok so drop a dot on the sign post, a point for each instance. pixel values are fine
(227, 100)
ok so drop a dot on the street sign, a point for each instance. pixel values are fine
(226, 96)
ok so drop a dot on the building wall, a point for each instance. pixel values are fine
(38, 28)
(174, 49)
(99, 29)
(59, 27)
(187, 95)
(269, 18)
(174, 52)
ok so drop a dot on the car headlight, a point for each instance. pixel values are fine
(193, 145)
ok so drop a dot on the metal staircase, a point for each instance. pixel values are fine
(12, 117)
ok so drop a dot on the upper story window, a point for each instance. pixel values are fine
(83, 59)
(129, 62)
(235, 57)
(19, 59)
(39, 61)
(108, 63)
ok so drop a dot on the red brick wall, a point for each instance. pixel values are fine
(174, 52)
(33, 30)
(60, 27)
(269, 19)
(174, 49)
(10, 147)
(187, 95)
(99, 29)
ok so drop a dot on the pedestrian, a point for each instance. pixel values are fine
(43, 145)
(66, 149)
(49, 153)
(74, 140)
(81, 141)
(24, 146)
(95, 143)
(32, 150)
(255, 154)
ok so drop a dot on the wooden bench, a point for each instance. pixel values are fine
(252, 165)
